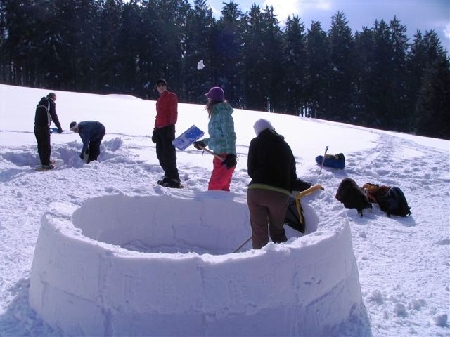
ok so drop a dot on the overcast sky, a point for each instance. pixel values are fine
(414, 14)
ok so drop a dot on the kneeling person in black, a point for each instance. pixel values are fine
(91, 133)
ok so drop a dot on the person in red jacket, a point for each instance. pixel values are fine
(164, 134)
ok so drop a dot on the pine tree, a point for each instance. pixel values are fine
(318, 71)
(425, 53)
(110, 25)
(228, 43)
(293, 60)
(400, 114)
(198, 69)
(364, 64)
(341, 79)
(433, 106)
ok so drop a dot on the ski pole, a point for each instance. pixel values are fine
(323, 159)
(238, 248)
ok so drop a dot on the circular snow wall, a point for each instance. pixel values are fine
(162, 265)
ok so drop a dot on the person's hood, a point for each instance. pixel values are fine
(222, 107)
(271, 134)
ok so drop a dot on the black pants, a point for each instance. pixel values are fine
(94, 146)
(44, 147)
(165, 151)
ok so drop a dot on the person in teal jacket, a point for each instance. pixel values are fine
(222, 139)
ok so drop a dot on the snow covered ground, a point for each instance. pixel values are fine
(403, 263)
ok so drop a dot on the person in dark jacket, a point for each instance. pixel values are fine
(271, 165)
(164, 134)
(45, 114)
(91, 134)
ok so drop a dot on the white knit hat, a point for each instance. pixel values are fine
(262, 124)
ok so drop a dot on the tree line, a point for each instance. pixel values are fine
(375, 77)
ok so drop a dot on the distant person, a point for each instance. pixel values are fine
(45, 114)
(271, 165)
(91, 134)
(222, 139)
(164, 134)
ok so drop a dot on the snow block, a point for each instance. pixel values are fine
(123, 265)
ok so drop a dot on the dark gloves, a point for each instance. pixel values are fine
(230, 161)
(154, 138)
(199, 145)
(300, 185)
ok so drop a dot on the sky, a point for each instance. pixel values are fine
(414, 14)
(101, 249)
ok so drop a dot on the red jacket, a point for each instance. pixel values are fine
(166, 109)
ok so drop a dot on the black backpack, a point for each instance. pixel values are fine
(352, 196)
(394, 202)
(293, 218)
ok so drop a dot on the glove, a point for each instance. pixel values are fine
(60, 130)
(154, 138)
(81, 155)
(300, 185)
(199, 145)
(230, 161)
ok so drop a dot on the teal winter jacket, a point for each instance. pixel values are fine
(222, 138)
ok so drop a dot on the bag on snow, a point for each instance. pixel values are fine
(352, 196)
(332, 160)
(393, 202)
(293, 218)
(373, 191)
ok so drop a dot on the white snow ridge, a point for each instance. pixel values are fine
(95, 272)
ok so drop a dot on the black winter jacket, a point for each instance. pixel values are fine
(46, 113)
(270, 161)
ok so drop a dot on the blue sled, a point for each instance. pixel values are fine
(333, 161)
(187, 137)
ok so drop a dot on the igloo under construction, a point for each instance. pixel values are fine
(163, 265)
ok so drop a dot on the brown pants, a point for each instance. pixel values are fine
(266, 207)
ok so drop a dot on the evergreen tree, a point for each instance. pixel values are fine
(198, 67)
(364, 64)
(253, 61)
(228, 52)
(400, 114)
(264, 73)
(379, 97)
(129, 41)
(171, 38)
(341, 79)
(426, 50)
(293, 60)
(318, 71)
(110, 25)
(4, 60)
(20, 43)
(433, 106)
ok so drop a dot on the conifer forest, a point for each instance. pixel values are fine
(375, 77)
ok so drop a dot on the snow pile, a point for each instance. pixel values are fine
(133, 265)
